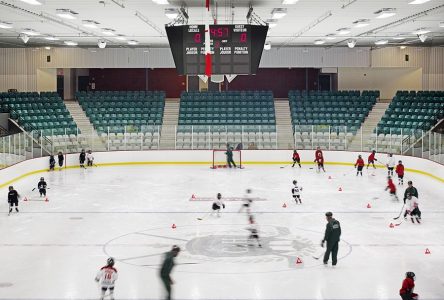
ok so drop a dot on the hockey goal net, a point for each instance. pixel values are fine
(220, 159)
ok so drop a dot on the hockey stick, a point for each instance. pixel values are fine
(157, 265)
(285, 166)
(200, 219)
(400, 213)
(319, 255)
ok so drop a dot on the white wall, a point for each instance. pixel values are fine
(46, 80)
(204, 158)
(387, 80)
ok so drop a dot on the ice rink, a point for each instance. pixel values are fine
(52, 250)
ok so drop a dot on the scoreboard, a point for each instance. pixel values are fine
(235, 49)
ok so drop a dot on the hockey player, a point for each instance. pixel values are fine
(106, 277)
(229, 155)
(82, 158)
(167, 267)
(60, 158)
(296, 191)
(410, 190)
(400, 172)
(41, 185)
(360, 164)
(372, 159)
(332, 236)
(247, 201)
(51, 162)
(390, 164)
(90, 158)
(296, 159)
(408, 284)
(254, 232)
(412, 209)
(217, 204)
(13, 199)
(319, 159)
(391, 187)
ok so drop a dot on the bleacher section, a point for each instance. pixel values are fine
(210, 120)
(43, 112)
(411, 111)
(328, 119)
(137, 113)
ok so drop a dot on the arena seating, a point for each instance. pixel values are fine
(213, 119)
(45, 111)
(137, 113)
(328, 118)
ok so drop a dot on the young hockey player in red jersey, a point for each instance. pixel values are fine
(319, 158)
(408, 284)
(360, 164)
(372, 159)
(391, 186)
(106, 278)
(296, 159)
(400, 171)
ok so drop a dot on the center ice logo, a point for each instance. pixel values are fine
(220, 249)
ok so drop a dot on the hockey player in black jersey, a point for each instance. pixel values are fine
(42, 187)
(82, 158)
(13, 199)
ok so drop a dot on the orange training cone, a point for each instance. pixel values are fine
(284, 205)
(369, 206)
(391, 225)
(25, 199)
(173, 226)
(427, 251)
(46, 199)
(329, 177)
(340, 189)
(193, 196)
(298, 261)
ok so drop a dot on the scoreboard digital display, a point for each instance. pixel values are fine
(235, 49)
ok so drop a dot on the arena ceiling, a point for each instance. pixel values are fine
(140, 23)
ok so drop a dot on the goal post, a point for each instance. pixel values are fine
(220, 159)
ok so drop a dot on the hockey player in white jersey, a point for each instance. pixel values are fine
(217, 205)
(296, 191)
(247, 201)
(254, 232)
(106, 278)
(89, 159)
(412, 209)
(391, 163)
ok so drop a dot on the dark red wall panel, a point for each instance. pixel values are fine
(119, 79)
(166, 80)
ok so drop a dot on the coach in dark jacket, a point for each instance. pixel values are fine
(332, 237)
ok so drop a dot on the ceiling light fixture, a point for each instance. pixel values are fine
(343, 31)
(422, 37)
(421, 31)
(70, 43)
(66, 13)
(381, 42)
(51, 38)
(161, 2)
(108, 31)
(398, 37)
(30, 32)
(278, 13)
(361, 23)
(120, 37)
(101, 44)
(48, 48)
(330, 37)
(319, 42)
(271, 23)
(441, 24)
(90, 23)
(24, 38)
(385, 13)
(5, 25)
(402, 47)
(419, 1)
(133, 42)
(171, 13)
(351, 43)
(289, 2)
(33, 2)
(267, 46)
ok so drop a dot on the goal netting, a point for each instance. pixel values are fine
(220, 159)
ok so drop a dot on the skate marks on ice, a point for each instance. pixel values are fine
(221, 248)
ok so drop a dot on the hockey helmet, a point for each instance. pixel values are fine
(410, 275)
(41, 178)
(248, 191)
(219, 195)
(294, 182)
(11, 187)
(110, 261)
(329, 214)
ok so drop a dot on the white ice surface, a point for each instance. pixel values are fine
(52, 250)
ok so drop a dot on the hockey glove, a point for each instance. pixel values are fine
(223, 205)
(322, 243)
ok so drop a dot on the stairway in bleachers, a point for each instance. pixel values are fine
(170, 121)
(284, 127)
(86, 128)
(368, 127)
